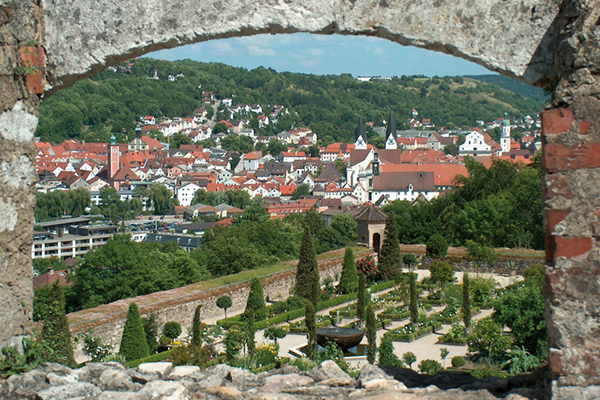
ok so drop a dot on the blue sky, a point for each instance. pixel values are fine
(323, 55)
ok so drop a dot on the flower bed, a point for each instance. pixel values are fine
(409, 332)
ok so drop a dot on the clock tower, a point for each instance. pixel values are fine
(113, 157)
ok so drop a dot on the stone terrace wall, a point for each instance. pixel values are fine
(179, 305)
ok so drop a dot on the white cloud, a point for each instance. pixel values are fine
(220, 46)
(260, 51)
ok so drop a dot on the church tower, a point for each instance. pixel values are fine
(505, 138)
(113, 157)
(390, 134)
(360, 137)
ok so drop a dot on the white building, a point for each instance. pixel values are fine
(185, 194)
(403, 186)
(475, 145)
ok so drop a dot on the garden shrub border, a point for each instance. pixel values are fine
(409, 337)
(293, 314)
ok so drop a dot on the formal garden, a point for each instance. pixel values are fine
(383, 298)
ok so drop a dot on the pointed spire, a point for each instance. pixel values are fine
(391, 127)
(360, 137)
(360, 130)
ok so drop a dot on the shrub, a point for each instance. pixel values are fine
(458, 361)
(172, 330)
(386, 354)
(367, 267)
(266, 354)
(371, 331)
(303, 364)
(192, 355)
(430, 367)
(409, 358)
(441, 272)
(332, 352)
(437, 246)
(482, 290)
(534, 271)
(93, 346)
(133, 341)
(151, 330)
(13, 362)
(234, 341)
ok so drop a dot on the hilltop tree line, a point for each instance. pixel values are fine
(498, 206)
(110, 102)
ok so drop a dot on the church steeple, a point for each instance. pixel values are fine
(505, 137)
(138, 132)
(390, 134)
(360, 137)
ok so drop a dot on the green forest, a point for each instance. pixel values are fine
(124, 268)
(110, 102)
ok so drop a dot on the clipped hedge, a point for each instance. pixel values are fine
(290, 315)
(409, 337)
(395, 317)
(153, 358)
(301, 328)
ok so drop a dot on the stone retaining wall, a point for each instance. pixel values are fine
(179, 304)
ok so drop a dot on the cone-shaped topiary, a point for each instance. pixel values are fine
(256, 301)
(133, 342)
(390, 263)
(56, 333)
(437, 246)
(307, 276)
(197, 328)
(371, 335)
(349, 279)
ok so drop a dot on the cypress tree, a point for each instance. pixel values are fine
(151, 330)
(250, 333)
(256, 301)
(307, 276)
(371, 335)
(389, 256)
(414, 306)
(197, 328)
(311, 325)
(348, 280)
(56, 333)
(361, 300)
(133, 342)
(466, 306)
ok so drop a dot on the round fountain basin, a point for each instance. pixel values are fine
(345, 338)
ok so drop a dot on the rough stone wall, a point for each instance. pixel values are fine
(180, 304)
(511, 36)
(571, 163)
(21, 77)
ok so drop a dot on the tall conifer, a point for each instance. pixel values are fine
(197, 328)
(371, 335)
(414, 305)
(389, 257)
(361, 299)
(466, 306)
(307, 276)
(133, 342)
(56, 333)
(348, 280)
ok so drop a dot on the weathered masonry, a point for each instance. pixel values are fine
(46, 45)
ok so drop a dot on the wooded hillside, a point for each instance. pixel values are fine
(110, 102)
